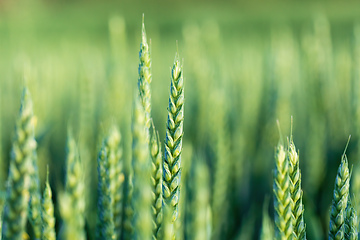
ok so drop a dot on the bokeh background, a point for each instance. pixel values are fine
(246, 65)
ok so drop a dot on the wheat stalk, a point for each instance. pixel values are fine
(21, 168)
(297, 207)
(340, 200)
(282, 195)
(156, 180)
(173, 141)
(47, 213)
(142, 200)
(105, 224)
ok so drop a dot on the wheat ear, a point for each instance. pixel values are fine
(105, 224)
(173, 142)
(156, 180)
(282, 196)
(35, 199)
(24, 145)
(47, 213)
(297, 207)
(340, 200)
(142, 200)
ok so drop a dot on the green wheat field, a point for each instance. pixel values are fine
(180, 120)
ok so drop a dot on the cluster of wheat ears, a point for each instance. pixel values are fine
(145, 202)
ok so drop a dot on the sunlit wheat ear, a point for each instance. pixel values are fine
(21, 168)
(142, 194)
(105, 223)
(173, 142)
(351, 222)
(116, 176)
(47, 214)
(145, 77)
(282, 195)
(339, 202)
(297, 207)
(156, 180)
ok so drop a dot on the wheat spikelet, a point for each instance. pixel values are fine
(156, 180)
(47, 213)
(21, 168)
(173, 141)
(297, 207)
(340, 200)
(105, 224)
(282, 196)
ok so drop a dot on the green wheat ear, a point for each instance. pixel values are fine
(21, 169)
(297, 207)
(340, 200)
(282, 195)
(105, 224)
(72, 202)
(145, 77)
(173, 142)
(351, 222)
(156, 180)
(116, 176)
(142, 194)
(47, 214)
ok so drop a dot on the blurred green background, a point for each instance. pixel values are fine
(246, 64)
